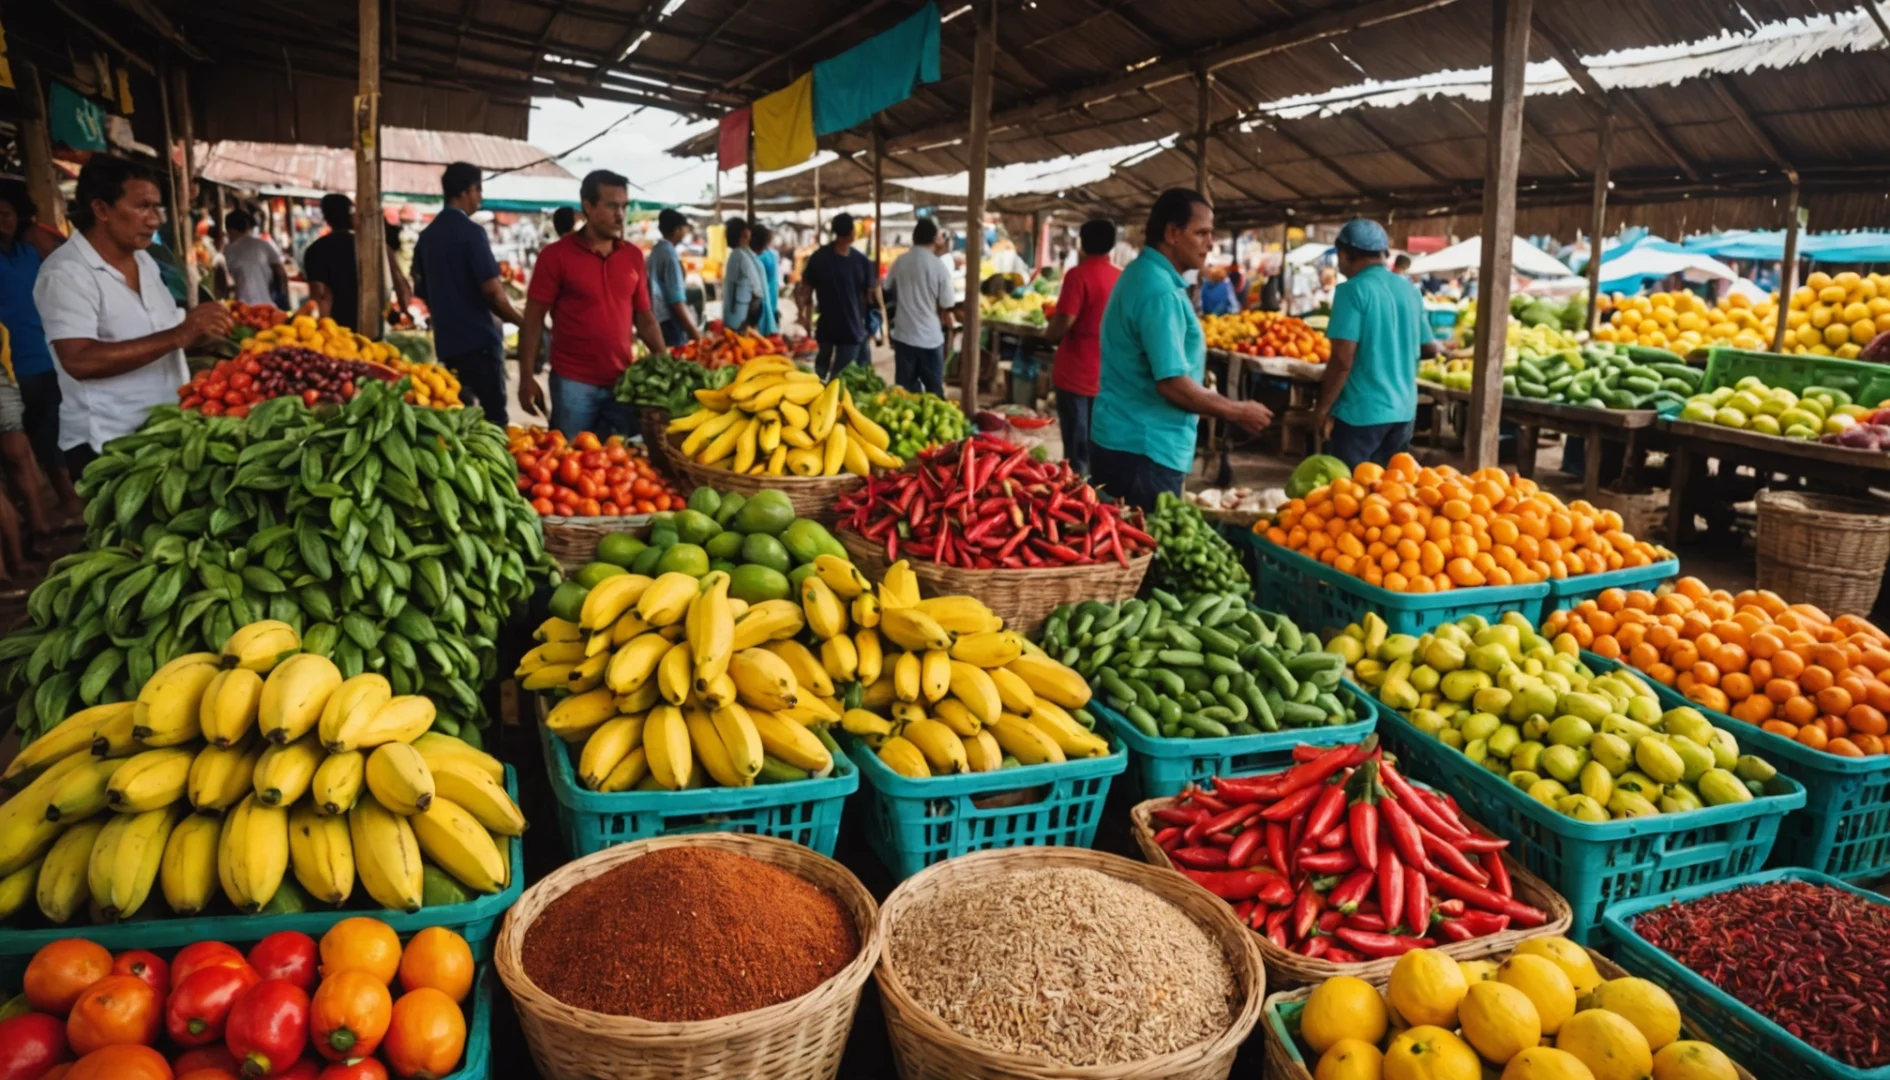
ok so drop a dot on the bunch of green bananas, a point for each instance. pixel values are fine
(242, 771)
(392, 537)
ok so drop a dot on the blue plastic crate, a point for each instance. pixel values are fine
(1323, 600)
(1844, 828)
(912, 824)
(1755, 1041)
(477, 1062)
(806, 812)
(1161, 767)
(1567, 592)
(476, 920)
(1594, 864)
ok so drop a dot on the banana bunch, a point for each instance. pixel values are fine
(777, 420)
(233, 768)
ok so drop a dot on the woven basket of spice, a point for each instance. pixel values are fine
(713, 955)
(1032, 963)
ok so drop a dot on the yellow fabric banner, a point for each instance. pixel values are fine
(784, 126)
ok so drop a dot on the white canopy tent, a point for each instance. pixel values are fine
(1308, 253)
(1468, 255)
(1651, 262)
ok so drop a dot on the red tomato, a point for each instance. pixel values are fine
(201, 1003)
(193, 401)
(311, 397)
(148, 966)
(569, 470)
(543, 506)
(622, 495)
(207, 1057)
(586, 487)
(286, 954)
(212, 407)
(238, 411)
(525, 484)
(347, 388)
(242, 381)
(204, 954)
(642, 488)
(527, 461)
(29, 1045)
(252, 367)
(608, 509)
(267, 1027)
(565, 510)
(215, 388)
(544, 491)
(616, 474)
(587, 441)
(615, 451)
(645, 506)
(542, 472)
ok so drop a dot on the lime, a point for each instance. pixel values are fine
(755, 583)
(765, 550)
(567, 600)
(724, 545)
(695, 528)
(594, 572)
(619, 548)
(705, 500)
(684, 559)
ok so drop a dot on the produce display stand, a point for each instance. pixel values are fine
(1593, 864)
(1281, 1018)
(1569, 591)
(1288, 968)
(1751, 1038)
(812, 496)
(1593, 425)
(1302, 391)
(1324, 600)
(806, 812)
(1689, 444)
(1844, 828)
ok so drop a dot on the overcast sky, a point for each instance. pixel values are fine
(634, 148)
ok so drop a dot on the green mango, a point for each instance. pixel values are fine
(1627, 804)
(567, 600)
(688, 559)
(1582, 808)
(705, 500)
(725, 545)
(620, 549)
(1660, 761)
(767, 511)
(1564, 762)
(593, 572)
(1444, 655)
(1597, 782)
(1678, 799)
(1479, 725)
(439, 889)
(731, 505)
(1570, 730)
(1505, 741)
(1696, 759)
(1612, 752)
(756, 583)
(646, 560)
(1463, 684)
(1527, 755)
(1753, 768)
(1523, 779)
(1725, 748)
(1425, 679)
(1547, 791)
(1398, 647)
(1639, 783)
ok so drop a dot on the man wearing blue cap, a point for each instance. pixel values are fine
(1368, 397)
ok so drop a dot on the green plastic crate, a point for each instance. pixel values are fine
(1567, 592)
(1754, 1040)
(1593, 864)
(1867, 384)
(912, 824)
(476, 920)
(1844, 828)
(1323, 600)
(1161, 767)
(806, 812)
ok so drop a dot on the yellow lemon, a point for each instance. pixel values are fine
(1863, 330)
(1476, 971)
(1837, 334)
(1643, 1004)
(1689, 1060)
(1426, 987)
(1342, 1008)
(1833, 294)
(1546, 1063)
(1547, 985)
(1570, 957)
(1428, 1052)
(1611, 1047)
(1821, 315)
(1350, 1059)
(1499, 1020)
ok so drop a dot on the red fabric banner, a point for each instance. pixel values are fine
(731, 144)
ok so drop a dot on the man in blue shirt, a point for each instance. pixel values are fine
(761, 242)
(1150, 401)
(455, 273)
(842, 284)
(669, 293)
(32, 366)
(741, 278)
(1368, 396)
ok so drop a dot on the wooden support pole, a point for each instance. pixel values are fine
(1788, 272)
(180, 100)
(1201, 107)
(42, 181)
(370, 239)
(748, 196)
(879, 189)
(1503, 134)
(1598, 222)
(216, 223)
(983, 59)
(174, 201)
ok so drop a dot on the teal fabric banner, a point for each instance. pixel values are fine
(80, 124)
(878, 73)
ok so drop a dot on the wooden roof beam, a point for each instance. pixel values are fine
(1384, 144)
(747, 77)
(1743, 115)
(1605, 102)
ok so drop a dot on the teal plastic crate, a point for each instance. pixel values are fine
(806, 812)
(1594, 864)
(1323, 600)
(477, 1062)
(1567, 592)
(1752, 1039)
(912, 824)
(1867, 384)
(1844, 828)
(477, 920)
(1161, 767)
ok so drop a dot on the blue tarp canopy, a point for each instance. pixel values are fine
(1769, 246)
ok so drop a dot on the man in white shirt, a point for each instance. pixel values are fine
(250, 266)
(118, 338)
(924, 313)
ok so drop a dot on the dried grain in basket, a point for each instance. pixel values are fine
(926, 1048)
(813, 496)
(1288, 968)
(801, 1039)
(1826, 550)
(573, 540)
(1282, 1063)
(1024, 598)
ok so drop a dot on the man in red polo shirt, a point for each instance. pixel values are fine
(594, 285)
(1077, 330)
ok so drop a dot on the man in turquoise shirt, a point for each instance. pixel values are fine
(1150, 400)
(1368, 397)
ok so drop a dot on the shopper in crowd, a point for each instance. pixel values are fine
(669, 289)
(839, 283)
(455, 273)
(32, 364)
(1076, 331)
(761, 242)
(1217, 292)
(596, 288)
(742, 282)
(118, 338)
(397, 278)
(1368, 395)
(13, 547)
(563, 221)
(328, 264)
(922, 319)
(1154, 358)
(250, 267)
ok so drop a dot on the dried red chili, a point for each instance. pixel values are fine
(688, 934)
(1807, 956)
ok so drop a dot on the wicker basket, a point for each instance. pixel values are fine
(813, 496)
(651, 422)
(1288, 968)
(1643, 514)
(1023, 598)
(1283, 1063)
(926, 1048)
(573, 540)
(1822, 549)
(801, 1039)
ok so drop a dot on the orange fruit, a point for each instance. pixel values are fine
(427, 1035)
(61, 971)
(439, 958)
(120, 1061)
(118, 1009)
(361, 942)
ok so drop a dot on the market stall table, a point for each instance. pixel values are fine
(1689, 443)
(1531, 416)
(1302, 386)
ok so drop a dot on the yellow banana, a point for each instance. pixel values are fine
(1070, 736)
(63, 887)
(86, 790)
(627, 626)
(321, 854)
(400, 719)
(484, 798)
(833, 452)
(935, 674)
(399, 779)
(435, 746)
(1024, 742)
(944, 753)
(597, 643)
(73, 735)
(912, 630)
(666, 741)
(606, 748)
(875, 456)
(763, 679)
(801, 460)
(221, 775)
(17, 888)
(770, 620)
(711, 630)
(610, 598)
(549, 677)
(871, 658)
(740, 739)
(961, 614)
(902, 757)
(633, 665)
(768, 438)
(841, 576)
(674, 672)
(25, 832)
(462, 847)
(826, 616)
(386, 855)
(790, 742)
(869, 431)
(556, 629)
(283, 773)
(988, 649)
(627, 775)
(711, 751)
(908, 677)
(972, 686)
(667, 599)
(723, 447)
(801, 394)
(260, 646)
(865, 724)
(841, 659)
(294, 697)
(580, 714)
(1051, 680)
(881, 693)
(359, 696)
(588, 675)
(188, 874)
(823, 411)
(865, 610)
(1013, 692)
(853, 454)
(777, 459)
(229, 706)
(794, 416)
(809, 674)
(747, 445)
(338, 782)
(640, 700)
(169, 706)
(709, 430)
(955, 715)
(899, 586)
(114, 738)
(549, 654)
(982, 752)
(125, 859)
(151, 780)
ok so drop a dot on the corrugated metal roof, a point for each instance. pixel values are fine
(411, 163)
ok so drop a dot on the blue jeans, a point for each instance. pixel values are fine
(832, 358)
(673, 333)
(482, 375)
(918, 368)
(577, 406)
(1370, 442)
(1073, 421)
(1132, 478)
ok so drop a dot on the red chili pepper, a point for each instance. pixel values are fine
(1169, 838)
(1362, 826)
(1346, 895)
(1246, 847)
(1243, 909)
(1232, 816)
(1276, 848)
(1290, 806)
(1257, 918)
(1326, 810)
(1329, 921)
(1305, 752)
(1454, 930)
(1390, 884)
(1183, 816)
(1231, 884)
(1451, 908)
(1246, 789)
(1306, 908)
(1478, 845)
(1413, 803)
(1377, 946)
(1476, 895)
(1315, 948)
(1404, 835)
(1200, 858)
(1492, 864)
(1336, 837)
(1337, 955)
(1450, 858)
(1482, 923)
(1220, 839)
(1373, 922)
(1197, 797)
(1417, 901)
(1317, 771)
(1276, 927)
(1340, 861)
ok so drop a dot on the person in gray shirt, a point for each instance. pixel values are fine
(922, 319)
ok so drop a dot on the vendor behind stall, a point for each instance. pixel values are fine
(1368, 395)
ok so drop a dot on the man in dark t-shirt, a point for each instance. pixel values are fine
(328, 264)
(455, 273)
(842, 284)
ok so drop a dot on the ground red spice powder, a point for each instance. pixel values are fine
(689, 934)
